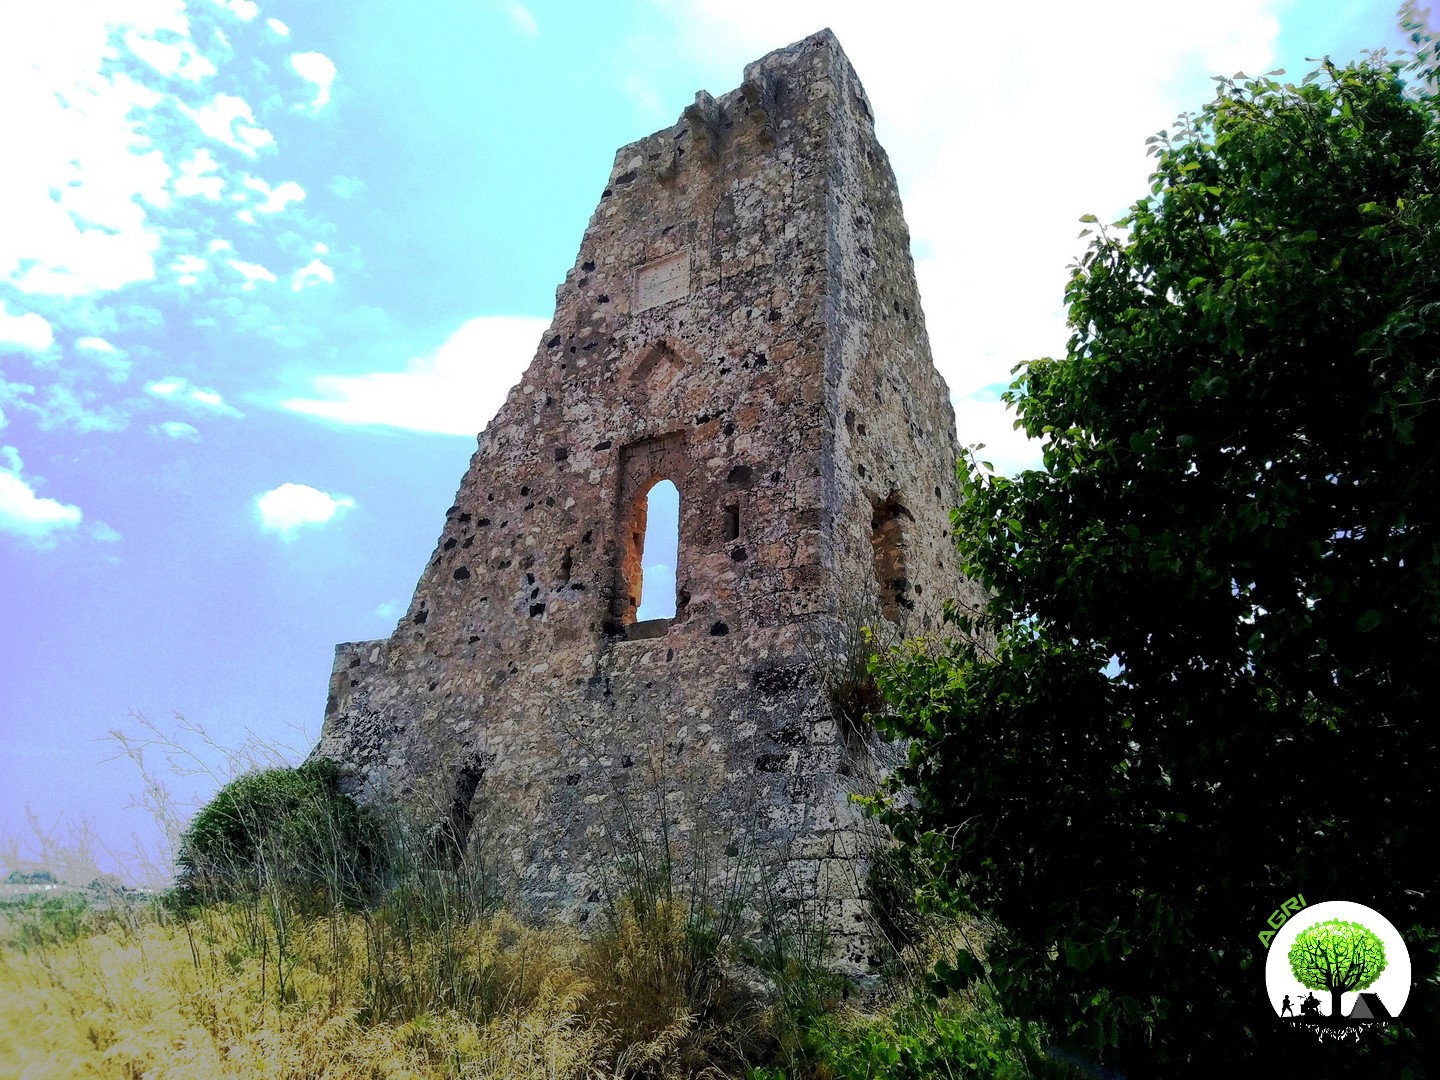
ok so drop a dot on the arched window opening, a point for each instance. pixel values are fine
(657, 536)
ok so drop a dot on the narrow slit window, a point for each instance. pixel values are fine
(889, 525)
(659, 554)
(730, 523)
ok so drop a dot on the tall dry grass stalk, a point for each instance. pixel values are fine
(174, 999)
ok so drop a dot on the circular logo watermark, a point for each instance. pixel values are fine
(1337, 969)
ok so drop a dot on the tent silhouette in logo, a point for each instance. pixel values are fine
(1369, 1007)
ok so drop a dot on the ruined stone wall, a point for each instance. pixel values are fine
(742, 319)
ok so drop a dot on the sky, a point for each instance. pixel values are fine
(267, 267)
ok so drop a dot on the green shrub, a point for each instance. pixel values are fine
(287, 828)
(924, 1039)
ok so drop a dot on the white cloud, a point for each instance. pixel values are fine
(177, 429)
(251, 272)
(317, 69)
(276, 198)
(453, 391)
(111, 358)
(14, 394)
(244, 10)
(104, 533)
(61, 405)
(230, 120)
(278, 28)
(183, 392)
(312, 273)
(188, 269)
(521, 17)
(84, 171)
(291, 507)
(26, 332)
(76, 407)
(176, 58)
(199, 175)
(385, 611)
(25, 514)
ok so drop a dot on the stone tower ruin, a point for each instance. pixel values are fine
(743, 321)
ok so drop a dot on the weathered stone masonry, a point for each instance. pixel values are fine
(743, 320)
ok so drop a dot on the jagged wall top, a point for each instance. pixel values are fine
(742, 318)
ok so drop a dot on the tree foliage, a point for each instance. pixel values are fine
(1337, 956)
(1206, 675)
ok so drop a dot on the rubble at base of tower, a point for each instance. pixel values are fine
(742, 320)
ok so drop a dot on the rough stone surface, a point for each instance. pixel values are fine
(743, 320)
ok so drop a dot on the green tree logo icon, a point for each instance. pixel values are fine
(1337, 956)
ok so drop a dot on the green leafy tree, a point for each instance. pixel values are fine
(1337, 956)
(1206, 675)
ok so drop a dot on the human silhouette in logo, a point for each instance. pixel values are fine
(1310, 1006)
(1286, 1007)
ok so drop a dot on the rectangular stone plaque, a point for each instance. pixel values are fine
(662, 280)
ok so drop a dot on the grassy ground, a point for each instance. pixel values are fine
(231, 990)
(135, 995)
